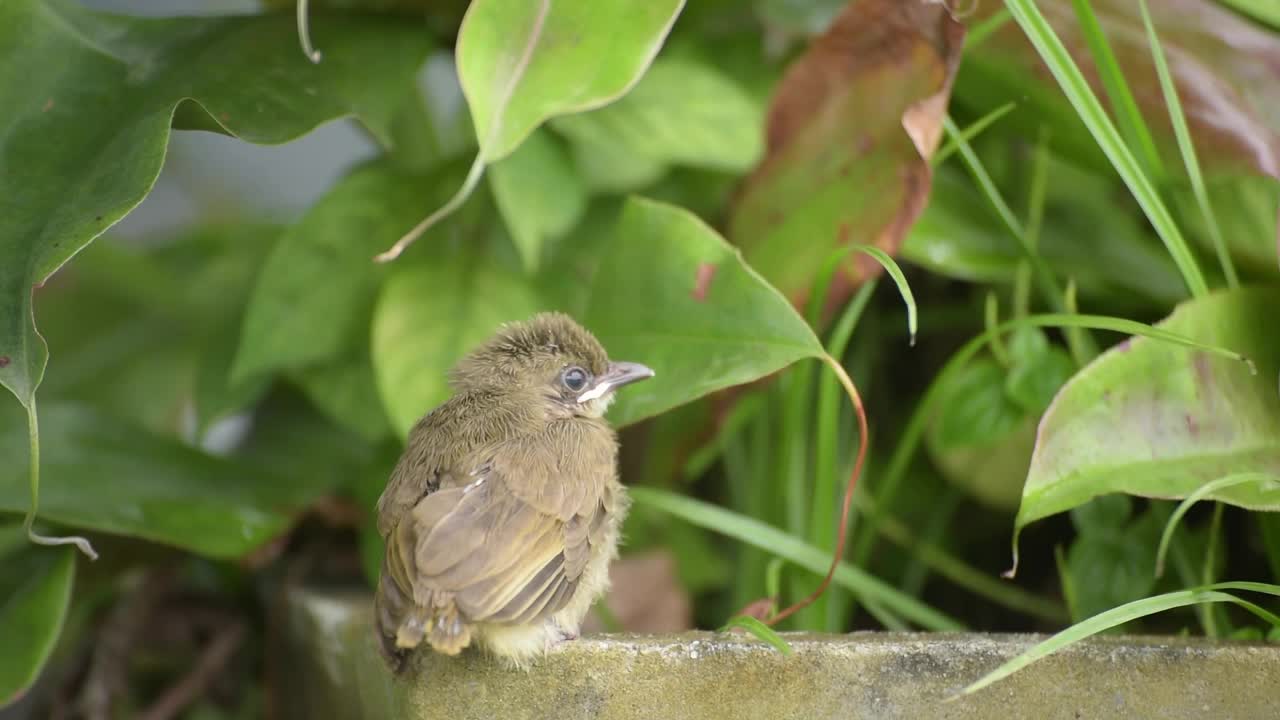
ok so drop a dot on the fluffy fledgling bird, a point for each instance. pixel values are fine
(502, 516)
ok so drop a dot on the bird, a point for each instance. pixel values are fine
(502, 515)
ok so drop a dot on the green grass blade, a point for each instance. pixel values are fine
(760, 630)
(827, 451)
(813, 308)
(1188, 149)
(969, 133)
(1201, 493)
(978, 582)
(1046, 281)
(900, 280)
(983, 30)
(1132, 125)
(796, 551)
(1126, 613)
(1087, 106)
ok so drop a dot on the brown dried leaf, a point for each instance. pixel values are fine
(851, 129)
(1226, 68)
(645, 595)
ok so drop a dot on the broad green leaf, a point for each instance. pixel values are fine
(35, 592)
(683, 112)
(612, 168)
(1102, 514)
(145, 333)
(215, 394)
(429, 316)
(538, 193)
(346, 390)
(1149, 418)
(974, 409)
(107, 475)
(851, 129)
(1037, 372)
(672, 294)
(1112, 567)
(316, 291)
(109, 101)
(522, 63)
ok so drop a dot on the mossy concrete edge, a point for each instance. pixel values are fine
(333, 671)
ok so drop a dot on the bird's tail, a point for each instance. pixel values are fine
(402, 623)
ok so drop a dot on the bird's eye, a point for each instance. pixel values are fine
(575, 378)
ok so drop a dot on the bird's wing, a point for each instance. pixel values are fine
(421, 470)
(498, 556)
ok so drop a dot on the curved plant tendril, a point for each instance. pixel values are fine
(33, 433)
(304, 34)
(843, 530)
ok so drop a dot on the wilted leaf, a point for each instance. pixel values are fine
(850, 131)
(85, 136)
(670, 293)
(1148, 418)
(682, 112)
(522, 63)
(35, 592)
(1225, 67)
(538, 193)
(107, 475)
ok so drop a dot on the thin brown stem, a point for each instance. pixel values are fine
(847, 503)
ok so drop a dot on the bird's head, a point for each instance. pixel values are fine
(551, 360)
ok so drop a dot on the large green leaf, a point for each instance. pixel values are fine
(672, 294)
(539, 194)
(1148, 418)
(107, 475)
(35, 592)
(683, 112)
(429, 316)
(851, 128)
(522, 63)
(316, 292)
(88, 102)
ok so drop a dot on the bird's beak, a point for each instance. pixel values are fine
(618, 374)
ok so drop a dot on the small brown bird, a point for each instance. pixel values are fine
(502, 516)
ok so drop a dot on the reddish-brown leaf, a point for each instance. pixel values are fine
(851, 128)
